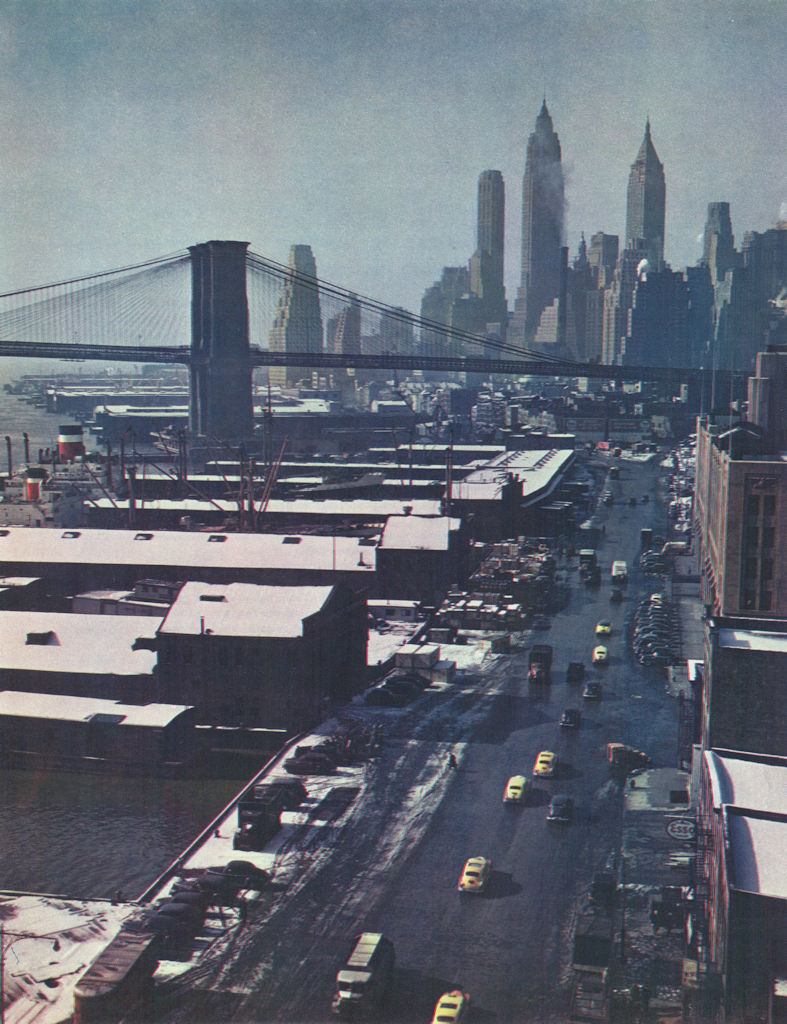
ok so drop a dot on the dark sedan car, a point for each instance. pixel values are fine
(393, 693)
(310, 764)
(247, 875)
(592, 691)
(570, 719)
(561, 809)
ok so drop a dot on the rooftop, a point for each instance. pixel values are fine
(753, 640)
(83, 709)
(417, 533)
(534, 469)
(173, 548)
(62, 642)
(40, 985)
(243, 609)
(756, 851)
(373, 509)
(746, 780)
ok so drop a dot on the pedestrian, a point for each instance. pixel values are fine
(243, 911)
(452, 761)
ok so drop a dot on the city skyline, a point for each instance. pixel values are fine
(136, 128)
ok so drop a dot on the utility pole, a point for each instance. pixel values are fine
(623, 910)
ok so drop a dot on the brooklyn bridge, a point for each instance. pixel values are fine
(214, 307)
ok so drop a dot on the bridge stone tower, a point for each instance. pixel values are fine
(221, 402)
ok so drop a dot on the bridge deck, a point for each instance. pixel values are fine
(383, 361)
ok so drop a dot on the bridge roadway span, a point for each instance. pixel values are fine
(331, 360)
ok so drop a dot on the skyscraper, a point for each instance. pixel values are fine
(718, 250)
(645, 203)
(542, 229)
(298, 323)
(602, 257)
(486, 263)
(343, 332)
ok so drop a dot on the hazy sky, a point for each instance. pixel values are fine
(133, 128)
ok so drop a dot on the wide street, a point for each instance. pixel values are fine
(392, 862)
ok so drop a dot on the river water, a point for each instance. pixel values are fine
(90, 835)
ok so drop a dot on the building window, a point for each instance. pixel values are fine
(768, 537)
(188, 655)
(767, 569)
(752, 536)
(749, 599)
(751, 568)
(769, 505)
(765, 600)
(753, 505)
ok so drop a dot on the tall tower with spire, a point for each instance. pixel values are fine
(645, 203)
(543, 205)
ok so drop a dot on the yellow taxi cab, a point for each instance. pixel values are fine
(546, 764)
(475, 875)
(451, 1007)
(603, 628)
(516, 790)
(600, 655)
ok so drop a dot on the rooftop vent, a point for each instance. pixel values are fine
(292, 540)
(144, 536)
(46, 639)
(217, 538)
(70, 534)
(212, 597)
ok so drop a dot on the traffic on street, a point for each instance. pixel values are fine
(477, 885)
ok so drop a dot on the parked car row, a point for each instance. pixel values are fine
(398, 690)
(654, 563)
(180, 916)
(656, 636)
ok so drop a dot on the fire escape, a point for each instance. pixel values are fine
(701, 984)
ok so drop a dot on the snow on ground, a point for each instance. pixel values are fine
(307, 842)
(467, 656)
(48, 944)
(387, 638)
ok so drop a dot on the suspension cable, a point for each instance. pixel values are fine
(171, 258)
(284, 272)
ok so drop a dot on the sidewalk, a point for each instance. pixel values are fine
(657, 848)
(658, 840)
